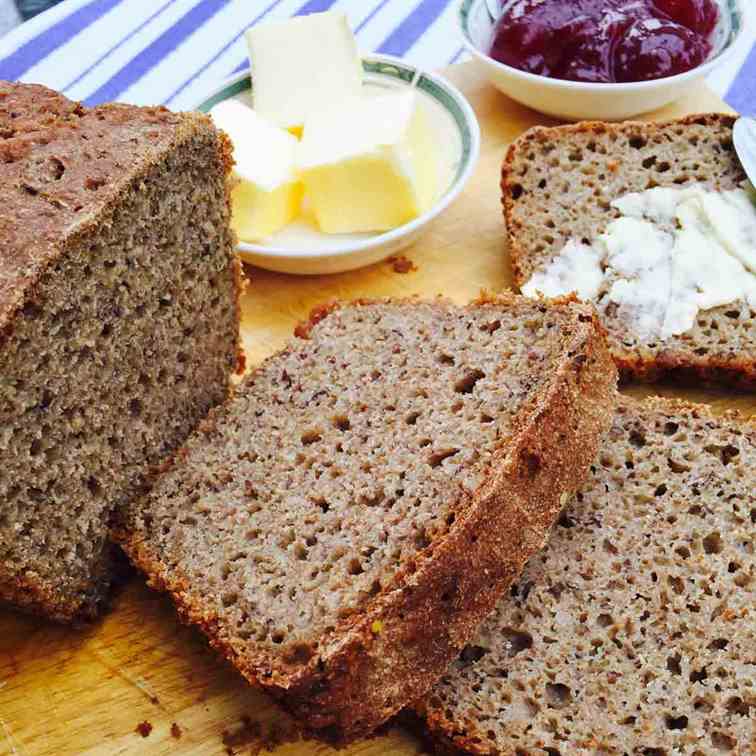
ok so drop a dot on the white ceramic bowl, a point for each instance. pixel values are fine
(300, 248)
(574, 101)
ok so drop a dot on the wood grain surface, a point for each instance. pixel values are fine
(65, 691)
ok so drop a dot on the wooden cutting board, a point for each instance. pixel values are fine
(65, 691)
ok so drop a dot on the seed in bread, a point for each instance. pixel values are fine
(342, 525)
(559, 185)
(634, 632)
(118, 324)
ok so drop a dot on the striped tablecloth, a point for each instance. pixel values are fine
(174, 51)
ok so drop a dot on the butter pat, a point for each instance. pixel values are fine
(369, 163)
(268, 194)
(300, 64)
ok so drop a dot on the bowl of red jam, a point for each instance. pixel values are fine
(600, 59)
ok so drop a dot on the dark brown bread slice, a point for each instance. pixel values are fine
(118, 324)
(340, 528)
(557, 184)
(634, 632)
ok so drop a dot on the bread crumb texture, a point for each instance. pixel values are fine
(342, 525)
(401, 264)
(634, 631)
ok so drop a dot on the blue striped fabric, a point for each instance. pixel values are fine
(151, 55)
(17, 63)
(412, 27)
(223, 50)
(742, 93)
(115, 47)
(174, 51)
(370, 16)
(315, 6)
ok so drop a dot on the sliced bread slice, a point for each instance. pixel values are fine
(558, 185)
(340, 528)
(634, 632)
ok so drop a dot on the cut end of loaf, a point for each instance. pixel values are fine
(121, 320)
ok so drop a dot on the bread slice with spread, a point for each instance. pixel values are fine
(654, 223)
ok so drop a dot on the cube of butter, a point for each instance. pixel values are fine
(369, 163)
(301, 63)
(268, 194)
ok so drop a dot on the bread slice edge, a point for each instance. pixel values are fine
(431, 726)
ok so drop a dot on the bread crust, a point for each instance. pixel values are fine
(34, 118)
(437, 736)
(674, 362)
(32, 596)
(394, 649)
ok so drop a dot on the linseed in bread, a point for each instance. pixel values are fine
(634, 632)
(118, 324)
(342, 525)
(558, 184)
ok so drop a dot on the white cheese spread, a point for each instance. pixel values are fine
(673, 253)
(639, 256)
(577, 268)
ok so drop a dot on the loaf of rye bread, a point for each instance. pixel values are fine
(118, 324)
(557, 185)
(342, 525)
(634, 632)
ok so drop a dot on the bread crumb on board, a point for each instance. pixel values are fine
(258, 736)
(176, 731)
(144, 729)
(248, 734)
(401, 264)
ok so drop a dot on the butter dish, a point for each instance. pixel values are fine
(301, 248)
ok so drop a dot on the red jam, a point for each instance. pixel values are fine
(605, 40)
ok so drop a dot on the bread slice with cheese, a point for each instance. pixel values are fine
(559, 185)
(342, 526)
(634, 631)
